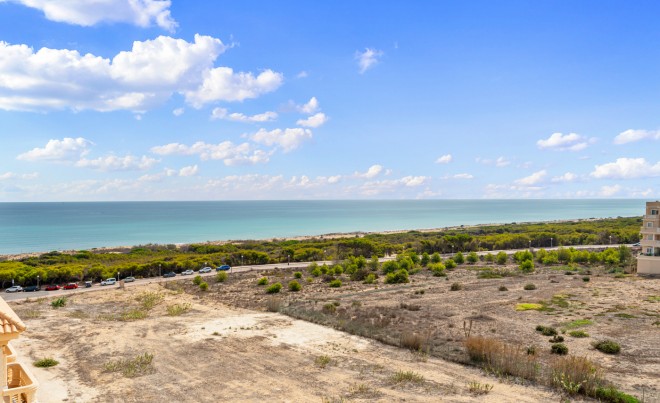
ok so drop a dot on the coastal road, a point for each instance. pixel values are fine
(18, 296)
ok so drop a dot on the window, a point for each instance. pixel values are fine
(649, 224)
(654, 212)
(649, 251)
(649, 237)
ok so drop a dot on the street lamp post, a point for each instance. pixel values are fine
(118, 275)
(159, 271)
(452, 249)
(241, 260)
(551, 242)
(610, 239)
(288, 260)
(530, 244)
(37, 281)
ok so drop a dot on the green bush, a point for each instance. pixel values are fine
(58, 303)
(557, 339)
(501, 258)
(450, 264)
(612, 395)
(294, 286)
(401, 276)
(370, 279)
(197, 280)
(607, 346)
(472, 257)
(438, 269)
(503, 288)
(578, 333)
(456, 287)
(297, 274)
(335, 283)
(527, 266)
(263, 281)
(559, 349)
(390, 266)
(221, 277)
(436, 258)
(204, 286)
(529, 287)
(459, 258)
(274, 288)
(546, 330)
(46, 363)
(585, 279)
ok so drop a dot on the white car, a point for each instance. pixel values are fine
(110, 281)
(205, 270)
(187, 273)
(14, 288)
(129, 279)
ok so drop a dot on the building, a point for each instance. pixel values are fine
(648, 262)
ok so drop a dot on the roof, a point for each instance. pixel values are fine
(9, 321)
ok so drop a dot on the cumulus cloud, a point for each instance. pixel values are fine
(222, 113)
(500, 162)
(368, 59)
(227, 151)
(632, 135)
(372, 188)
(310, 107)
(178, 112)
(134, 80)
(116, 163)
(143, 13)
(627, 168)
(13, 175)
(302, 74)
(607, 191)
(463, 176)
(532, 179)
(287, 139)
(67, 149)
(567, 177)
(445, 159)
(313, 121)
(564, 142)
(372, 172)
(189, 170)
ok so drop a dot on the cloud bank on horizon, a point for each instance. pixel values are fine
(172, 100)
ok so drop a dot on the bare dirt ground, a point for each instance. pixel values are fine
(223, 345)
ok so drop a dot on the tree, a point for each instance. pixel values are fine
(458, 258)
(527, 266)
(425, 259)
(501, 258)
(435, 258)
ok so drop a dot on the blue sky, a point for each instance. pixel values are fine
(198, 100)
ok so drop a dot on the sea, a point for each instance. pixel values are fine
(42, 227)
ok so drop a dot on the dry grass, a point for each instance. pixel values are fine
(414, 341)
(503, 359)
(178, 309)
(406, 377)
(141, 364)
(576, 375)
(149, 299)
(273, 304)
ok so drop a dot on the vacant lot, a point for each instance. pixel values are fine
(178, 343)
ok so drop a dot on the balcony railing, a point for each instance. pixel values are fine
(21, 387)
(650, 230)
(9, 353)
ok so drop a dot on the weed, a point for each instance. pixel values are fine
(274, 288)
(297, 274)
(197, 280)
(141, 364)
(607, 346)
(502, 358)
(625, 316)
(133, 314)
(456, 287)
(503, 288)
(529, 287)
(58, 303)
(477, 388)
(149, 299)
(410, 307)
(178, 309)
(414, 341)
(204, 286)
(557, 339)
(406, 377)
(221, 277)
(322, 361)
(529, 307)
(654, 298)
(46, 363)
(262, 281)
(578, 333)
(294, 286)
(273, 304)
(578, 323)
(329, 308)
(611, 394)
(559, 349)
(576, 375)
(546, 330)
(585, 279)
(335, 283)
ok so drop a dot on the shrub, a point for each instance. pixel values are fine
(501, 258)
(360, 274)
(46, 363)
(413, 341)
(527, 266)
(578, 333)
(503, 358)
(607, 346)
(477, 388)
(329, 308)
(529, 287)
(611, 394)
(204, 286)
(546, 330)
(585, 279)
(557, 339)
(197, 280)
(489, 257)
(273, 304)
(436, 258)
(503, 288)
(131, 368)
(401, 276)
(322, 361)
(390, 266)
(149, 299)
(315, 272)
(529, 307)
(297, 274)
(221, 277)
(59, 302)
(472, 257)
(459, 258)
(456, 287)
(335, 283)
(274, 288)
(559, 349)
(407, 376)
(178, 309)
(294, 286)
(576, 375)
(450, 264)
(370, 279)
(263, 281)
(438, 269)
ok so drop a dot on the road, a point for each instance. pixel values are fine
(293, 265)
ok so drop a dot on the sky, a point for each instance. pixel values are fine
(118, 100)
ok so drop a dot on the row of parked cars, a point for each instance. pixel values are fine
(109, 281)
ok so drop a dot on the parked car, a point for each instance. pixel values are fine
(170, 274)
(32, 288)
(52, 287)
(70, 286)
(110, 281)
(187, 273)
(14, 288)
(129, 279)
(637, 244)
(223, 267)
(88, 284)
(205, 270)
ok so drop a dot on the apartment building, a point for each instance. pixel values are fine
(648, 262)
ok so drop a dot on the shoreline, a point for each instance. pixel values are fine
(332, 235)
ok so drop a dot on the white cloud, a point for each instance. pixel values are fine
(222, 113)
(142, 13)
(373, 188)
(627, 168)
(287, 139)
(445, 159)
(178, 111)
(310, 107)
(313, 121)
(607, 191)
(228, 152)
(334, 179)
(372, 172)
(632, 135)
(13, 175)
(463, 176)
(134, 80)
(67, 149)
(115, 163)
(222, 84)
(565, 142)
(500, 162)
(567, 177)
(189, 170)
(532, 179)
(367, 59)
(302, 74)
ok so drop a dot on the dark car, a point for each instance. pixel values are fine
(223, 267)
(70, 286)
(52, 287)
(170, 274)
(32, 288)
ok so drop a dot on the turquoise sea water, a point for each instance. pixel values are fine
(36, 227)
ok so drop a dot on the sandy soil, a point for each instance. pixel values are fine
(214, 352)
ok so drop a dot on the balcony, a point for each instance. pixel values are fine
(652, 217)
(9, 353)
(650, 230)
(21, 387)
